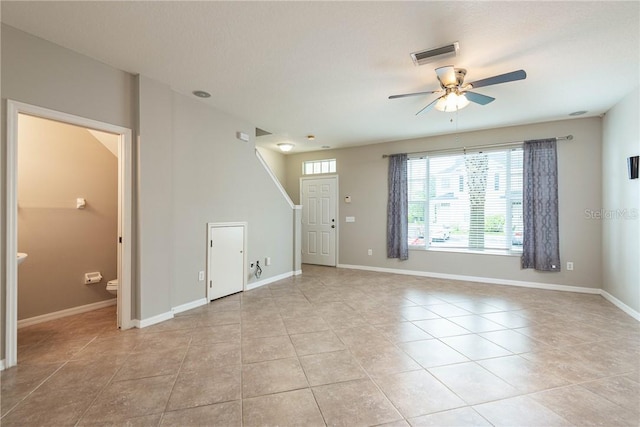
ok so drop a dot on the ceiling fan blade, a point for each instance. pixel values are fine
(447, 76)
(502, 78)
(413, 94)
(429, 106)
(478, 98)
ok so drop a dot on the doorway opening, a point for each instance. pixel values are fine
(117, 136)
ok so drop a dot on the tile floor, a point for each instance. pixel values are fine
(339, 347)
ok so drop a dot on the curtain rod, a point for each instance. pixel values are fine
(558, 138)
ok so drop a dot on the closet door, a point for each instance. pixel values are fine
(226, 260)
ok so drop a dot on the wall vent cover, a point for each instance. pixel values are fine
(435, 54)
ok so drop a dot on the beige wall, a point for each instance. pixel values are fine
(621, 234)
(41, 73)
(189, 169)
(363, 176)
(58, 163)
(277, 162)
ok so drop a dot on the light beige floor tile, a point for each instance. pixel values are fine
(302, 325)
(514, 341)
(441, 328)
(475, 347)
(88, 373)
(42, 407)
(584, 408)
(204, 387)
(327, 368)
(508, 319)
(448, 310)
(620, 390)
(473, 383)
(403, 332)
(211, 356)
(363, 336)
(418, 393)
(477, 307)
(273, 376)
(215, 334)
(268, 348)
(143, 421)
(384, 360)
(565, 365)
(431, 353)
(227, 414)
(523, 374)
(354, 403)
(460, 417)
(262, 329)
(132, 398)
(316, 342)
(291, 408)
(519, 411)
(151, 364)
(476, 323)
(417, 313)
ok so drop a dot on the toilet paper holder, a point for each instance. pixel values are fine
(90, 278)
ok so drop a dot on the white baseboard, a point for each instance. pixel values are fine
(268, 280)
(67, 312)
(490, 280)
(622, 306)
(143, 323)
(189, 306)
(2, 365)
(297, 272)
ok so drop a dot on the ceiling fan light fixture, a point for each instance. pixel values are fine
(285, 147)
(451, 102)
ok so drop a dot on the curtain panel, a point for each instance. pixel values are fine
(541, 248)
(397, 208)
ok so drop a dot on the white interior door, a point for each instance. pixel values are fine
(319, 220)
(226, 260)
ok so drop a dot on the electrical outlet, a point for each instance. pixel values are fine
(370, 252)
(267, 261)
(570, 266)
(201, 276)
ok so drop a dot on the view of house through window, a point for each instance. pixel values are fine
(482, 210)
(314, 167)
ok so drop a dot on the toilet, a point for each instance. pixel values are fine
(112, 286)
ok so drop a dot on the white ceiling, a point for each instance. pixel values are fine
(327, 68)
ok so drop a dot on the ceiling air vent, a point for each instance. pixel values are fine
(435, 54)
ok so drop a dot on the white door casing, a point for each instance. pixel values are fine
(226, 259)
(319, 220)
(14, 109)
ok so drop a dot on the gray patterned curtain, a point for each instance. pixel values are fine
(397, 208)
(541, 248)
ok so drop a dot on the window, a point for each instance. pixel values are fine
(314, 167)
(484, 211)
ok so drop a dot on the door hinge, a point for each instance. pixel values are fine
(120, 239)
(211, 244)
(210, 284)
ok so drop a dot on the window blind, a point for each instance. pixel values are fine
(469, 200)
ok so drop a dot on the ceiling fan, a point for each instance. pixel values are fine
(457, 93)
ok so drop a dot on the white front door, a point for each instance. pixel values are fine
(319, 220)
(226, 261)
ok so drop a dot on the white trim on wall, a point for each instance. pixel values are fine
(507, 282)
(268, 280)
(67, 312)
(189, 306)
(14, 108)
(143, 323)
(275, 180)
(622, 306)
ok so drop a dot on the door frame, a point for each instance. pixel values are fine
(337, 194)
(210, 227)
(125, 185)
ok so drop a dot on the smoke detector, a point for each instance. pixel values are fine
(435, 54)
